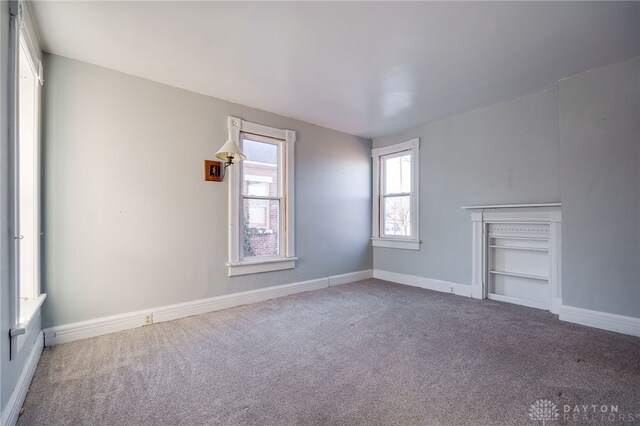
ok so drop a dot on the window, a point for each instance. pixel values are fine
(26, 80)
(261, 194)
(28, 88)
(395, 203)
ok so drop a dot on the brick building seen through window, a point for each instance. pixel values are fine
(261, 200)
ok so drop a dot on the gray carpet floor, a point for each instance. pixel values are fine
(370, 352)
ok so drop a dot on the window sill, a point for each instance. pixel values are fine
(259, 266)
(396, 243)
(28, 310)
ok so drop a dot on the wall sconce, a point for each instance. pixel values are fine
(230, 151)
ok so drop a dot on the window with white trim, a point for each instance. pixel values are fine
(395, 202)
(261, 200)
(25, 83)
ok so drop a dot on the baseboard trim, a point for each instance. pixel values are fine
(114, 323)
(603, 320)
(516, 301)
(95, 327)
(12, 410)
(350, 277)
(422, 282)
(596, 319)
(203, 306)
(556, 303)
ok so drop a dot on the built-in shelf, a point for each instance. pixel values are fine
(519, 248)
(511, 206)
(513, 274)
(516, 253)
(509, 237)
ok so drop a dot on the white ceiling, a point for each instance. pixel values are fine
(364, 68)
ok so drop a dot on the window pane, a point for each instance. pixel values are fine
(257, 187)
(397, 216)
(27, 177)
(260, 169)
(397, 172)
(261, 236)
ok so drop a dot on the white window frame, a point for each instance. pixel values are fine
(378, 238)
(23, 310)
(287, 259)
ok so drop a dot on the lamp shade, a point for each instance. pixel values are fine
(230, 149)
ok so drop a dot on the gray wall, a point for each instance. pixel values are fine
(506, 153)
(600, 177)
(577, 143)
(10, 370)
(130, 223)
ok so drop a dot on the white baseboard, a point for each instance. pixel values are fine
(612, 322)
(203, 306)
(427, 283)
(114, 323)
(517, 301)
(95, 327)
(556, 303)
(111, 324)
(12, 410)
(350, 277)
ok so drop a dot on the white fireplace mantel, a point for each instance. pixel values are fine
(516, 218)
(506, 206)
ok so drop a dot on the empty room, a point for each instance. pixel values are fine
(341, 213)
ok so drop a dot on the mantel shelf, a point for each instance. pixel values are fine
(511, 206)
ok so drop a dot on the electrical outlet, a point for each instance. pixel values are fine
(452, 290)
(148, 319)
